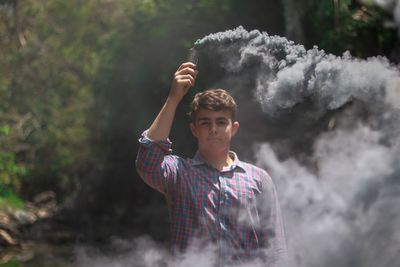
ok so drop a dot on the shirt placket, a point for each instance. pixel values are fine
(223, 207)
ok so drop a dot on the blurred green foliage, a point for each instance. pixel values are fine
(337, 26)
(9, 199)
(12, 263)
(11, 173)
(51, 52)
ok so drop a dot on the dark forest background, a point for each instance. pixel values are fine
(80, 81)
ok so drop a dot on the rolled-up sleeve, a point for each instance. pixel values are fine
(155, 164)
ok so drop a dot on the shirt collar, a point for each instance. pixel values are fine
(199, 160)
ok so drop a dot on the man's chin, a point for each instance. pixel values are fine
(218, 148)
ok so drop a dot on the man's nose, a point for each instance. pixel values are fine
(213, 127)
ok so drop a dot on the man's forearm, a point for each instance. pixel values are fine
(184, 78)
(161, 126)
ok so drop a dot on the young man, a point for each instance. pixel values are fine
(214, 199)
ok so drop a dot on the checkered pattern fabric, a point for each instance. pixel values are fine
(236, 209)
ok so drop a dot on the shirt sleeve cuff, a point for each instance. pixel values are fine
(165, 145)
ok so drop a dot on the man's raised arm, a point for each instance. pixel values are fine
(154, 163)
(184, 78)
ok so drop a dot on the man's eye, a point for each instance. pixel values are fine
(222, 122)
(205, 123)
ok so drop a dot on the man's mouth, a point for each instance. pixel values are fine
(214, 139)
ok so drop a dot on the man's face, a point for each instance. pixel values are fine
(213, 130)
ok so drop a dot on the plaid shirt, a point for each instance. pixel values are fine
(235, 209)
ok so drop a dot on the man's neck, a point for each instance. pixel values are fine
(219, 161)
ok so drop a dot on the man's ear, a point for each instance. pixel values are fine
(193, 129)
(235, 127)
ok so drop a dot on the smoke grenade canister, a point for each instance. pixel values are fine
(192, 56)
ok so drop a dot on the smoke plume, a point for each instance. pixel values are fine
(339, 186)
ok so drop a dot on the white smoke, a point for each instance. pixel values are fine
(341, 201)
(144, 252)
(332, 216)
(286, 74)
(141, 252)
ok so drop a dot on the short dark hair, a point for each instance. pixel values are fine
(215, 100)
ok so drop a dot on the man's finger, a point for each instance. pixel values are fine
(185, 76)
(186, 80)
(187, 65)
(187, 71)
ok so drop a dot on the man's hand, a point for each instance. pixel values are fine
(184, 78)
